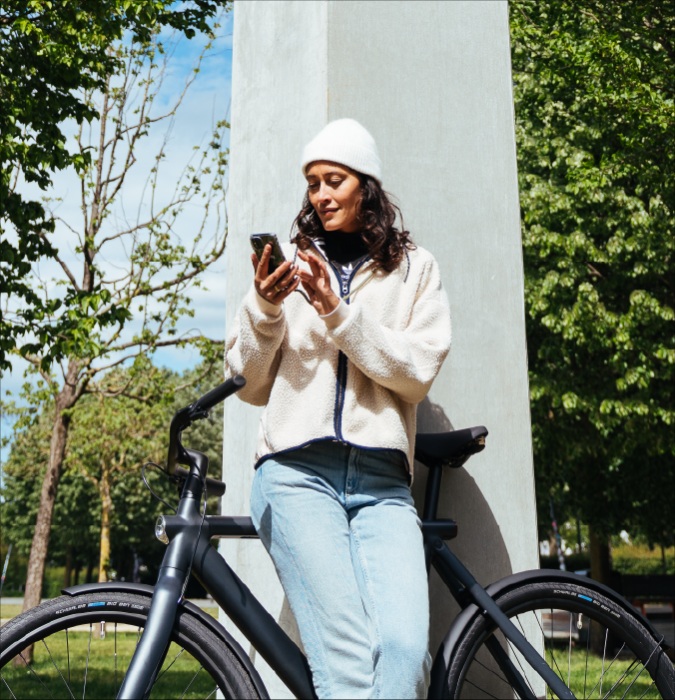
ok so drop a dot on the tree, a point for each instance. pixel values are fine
(110, 439)
(75, 512)
(136, 276)
(204, 435)
(103, 513)
(594, 89)
(52, 55)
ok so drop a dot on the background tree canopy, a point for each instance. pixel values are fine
(594, 88)
(594, 84)
(52, 54)
(86, 85)
(111, 438)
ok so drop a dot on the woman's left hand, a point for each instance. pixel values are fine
(316, 282)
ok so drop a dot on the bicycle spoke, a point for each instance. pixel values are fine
(57, 669)
(86, 666)
(115, 659)
(31, 671)
(68, 655)
(588, 649)
(173, 661)
(34, 674)
(569, 650)
(69, 651)
(538, 620)
(518, 656)
(549, 650)
(519, 659)
(8, 688)
(625, 675)
(604, 655)
(192, 680)
(605, 671)
(482, 690)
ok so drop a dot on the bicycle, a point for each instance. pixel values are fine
(485, 650)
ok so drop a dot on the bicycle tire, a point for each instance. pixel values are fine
(570, 623)
(77, 654)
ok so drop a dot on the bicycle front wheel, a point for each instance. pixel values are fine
(83, 644)
(598, 648)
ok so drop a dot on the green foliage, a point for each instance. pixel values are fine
(206, 435)
(643, 560)
(107, 269)
(81, 312)
(594, 85)
(53, 56)
(626, 559)
(117, 433)
(22, 475)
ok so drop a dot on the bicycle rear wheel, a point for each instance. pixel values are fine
(598, 648)
(83, 645)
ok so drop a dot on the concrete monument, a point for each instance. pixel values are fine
(431, 80)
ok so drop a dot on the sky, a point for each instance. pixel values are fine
(207, 101)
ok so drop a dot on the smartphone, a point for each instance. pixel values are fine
(258, 243)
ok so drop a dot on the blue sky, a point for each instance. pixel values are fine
(207, 102)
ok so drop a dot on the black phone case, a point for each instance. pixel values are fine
(259, 241)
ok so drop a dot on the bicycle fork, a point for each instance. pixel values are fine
(184, 530)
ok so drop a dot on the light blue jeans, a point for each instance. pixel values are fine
(340, 525)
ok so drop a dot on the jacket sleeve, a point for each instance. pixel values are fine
(253, 348)
(404, 361)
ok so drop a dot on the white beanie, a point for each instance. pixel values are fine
(346, 142)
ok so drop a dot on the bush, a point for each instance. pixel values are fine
(626, 559)
(640, 560)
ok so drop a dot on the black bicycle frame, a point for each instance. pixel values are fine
(463, 587)
(261, 629)
(189, 550)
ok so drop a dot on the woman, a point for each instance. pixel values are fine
(340, 367)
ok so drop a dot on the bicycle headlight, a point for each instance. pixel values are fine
(160, 530)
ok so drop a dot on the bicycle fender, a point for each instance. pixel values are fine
(447, 647)
(553, 575)
(446, 650)
(203, 617)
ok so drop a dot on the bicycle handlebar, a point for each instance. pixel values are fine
(220, 393)
(184, 417)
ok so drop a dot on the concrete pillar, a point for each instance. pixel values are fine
(431, 80)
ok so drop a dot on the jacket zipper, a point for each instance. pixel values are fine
(341, 378)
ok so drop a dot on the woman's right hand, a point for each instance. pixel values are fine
(274, 287)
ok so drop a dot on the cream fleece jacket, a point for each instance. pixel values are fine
(355, 375)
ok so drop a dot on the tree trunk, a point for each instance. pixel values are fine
(68, 570)
(106, 509)
(601, 565)
(43, 522)
(37, 559)
(601, 569)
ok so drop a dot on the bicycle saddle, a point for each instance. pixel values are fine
(449, 449)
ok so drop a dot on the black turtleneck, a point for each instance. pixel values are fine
(343, 248)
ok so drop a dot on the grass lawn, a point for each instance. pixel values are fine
(7, 612)
(583, 674)
(98, 664)
(105, 661)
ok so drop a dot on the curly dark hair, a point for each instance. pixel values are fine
(377, 217)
